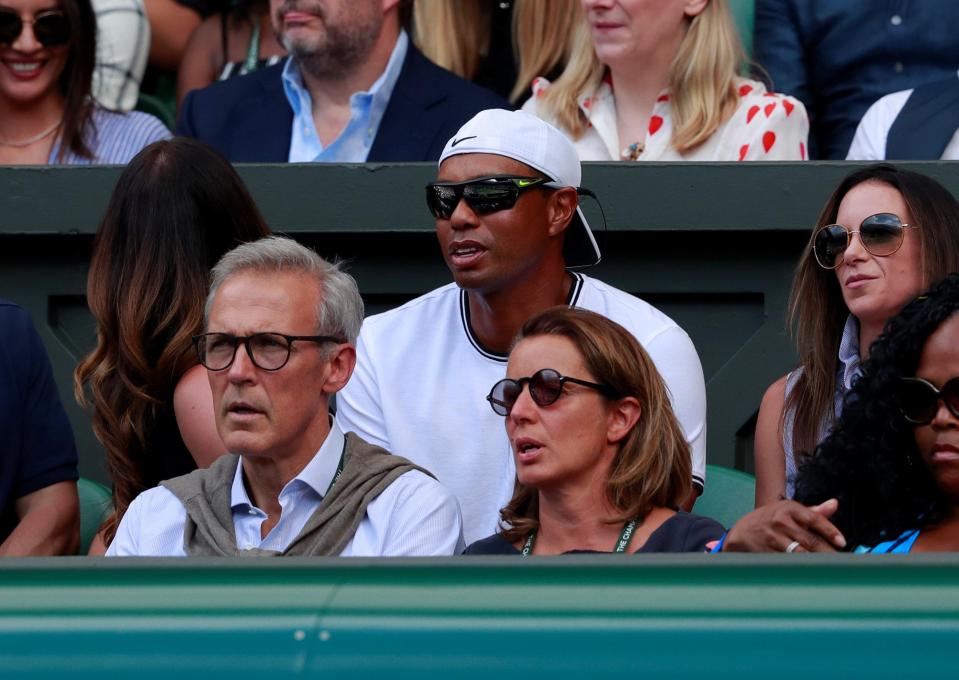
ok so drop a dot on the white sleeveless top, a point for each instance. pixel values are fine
(846, 375)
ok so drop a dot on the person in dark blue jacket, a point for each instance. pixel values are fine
(39, 508)
(354, 89)
(840, 56)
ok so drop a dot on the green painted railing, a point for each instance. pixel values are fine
(692, 616)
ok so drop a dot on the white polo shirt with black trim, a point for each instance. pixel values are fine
(421, 380)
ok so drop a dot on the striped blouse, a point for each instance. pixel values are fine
(114, 138)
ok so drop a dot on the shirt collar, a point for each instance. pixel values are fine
(849, 353)
(317, 474)
(381, 90)
(599, 108)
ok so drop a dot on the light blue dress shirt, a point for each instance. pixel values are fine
(366, 112)
(415, 515)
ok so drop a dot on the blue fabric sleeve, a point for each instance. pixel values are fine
(36, 440)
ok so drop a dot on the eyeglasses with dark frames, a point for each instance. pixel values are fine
(881, 235)
(545, 387)
(919, 399)
(267, 351)
(483, 195)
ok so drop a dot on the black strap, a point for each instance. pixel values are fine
(927, 122)
(224, 31)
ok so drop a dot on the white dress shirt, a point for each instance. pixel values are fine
(415, 515)
(869, 143)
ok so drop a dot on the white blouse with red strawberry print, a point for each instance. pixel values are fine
(765, 127)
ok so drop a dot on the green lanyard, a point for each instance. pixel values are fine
(253, 51)
(620, 546)
(339, 471)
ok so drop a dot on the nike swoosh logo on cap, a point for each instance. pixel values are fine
(461, 139)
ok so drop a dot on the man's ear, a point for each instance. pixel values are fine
(562, 205)
(338, 368)
(624, 413)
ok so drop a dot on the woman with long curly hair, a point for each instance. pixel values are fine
(601, 461)
(883, 236)
(177, 207)
(893, 461)
(663, 81)
(887, 478)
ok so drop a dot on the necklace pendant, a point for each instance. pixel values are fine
(633, 151)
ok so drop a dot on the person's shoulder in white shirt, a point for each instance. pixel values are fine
(152, 526)
(672, 352)
(869, 142)
(414, 516)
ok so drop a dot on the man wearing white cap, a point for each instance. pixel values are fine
(509, 226)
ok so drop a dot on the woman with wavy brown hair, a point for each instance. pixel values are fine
(601, 461)
(177, 207)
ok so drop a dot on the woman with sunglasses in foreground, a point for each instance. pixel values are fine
(887, 478)
(882, 237)
(601, 461)
(47, 116)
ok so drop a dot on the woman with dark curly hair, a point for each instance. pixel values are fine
(889, 472)
(177, 207)
(884, 235)
(893, 460)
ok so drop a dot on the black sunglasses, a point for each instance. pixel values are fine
(50, 28)
(545, 387)
(268, 351)
(483, 194)
(881, 235)
(919, 399)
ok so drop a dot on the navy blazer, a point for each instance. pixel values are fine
(249, 120)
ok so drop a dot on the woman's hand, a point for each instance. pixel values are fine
(787, 526)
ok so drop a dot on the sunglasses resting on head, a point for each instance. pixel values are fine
(881, 235)
(545, 387)
(919, 399)
(50, 28)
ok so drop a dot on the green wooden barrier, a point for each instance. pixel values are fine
(589, 617)
(713, 245)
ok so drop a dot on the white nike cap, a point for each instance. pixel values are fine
(534, 142)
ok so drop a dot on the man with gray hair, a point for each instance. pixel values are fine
(281, 326)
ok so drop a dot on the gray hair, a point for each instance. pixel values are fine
(340, 312)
